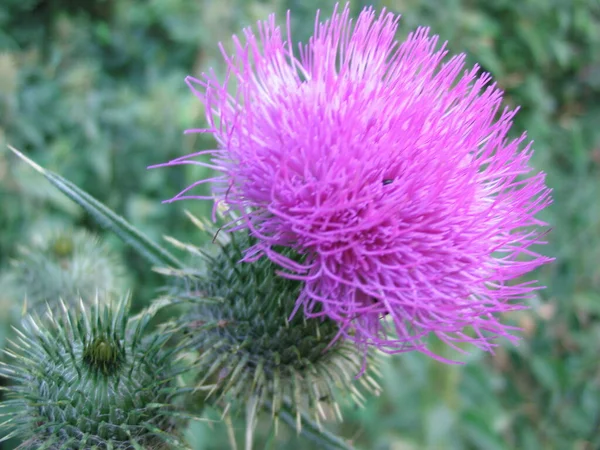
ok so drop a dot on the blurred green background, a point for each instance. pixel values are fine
(94, 90)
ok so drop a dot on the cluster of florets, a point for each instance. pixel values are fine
(389, 167)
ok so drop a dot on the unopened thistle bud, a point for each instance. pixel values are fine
(91, 381)
(66, 264)
(252, 349)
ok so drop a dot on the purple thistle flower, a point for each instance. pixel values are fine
(387, 165)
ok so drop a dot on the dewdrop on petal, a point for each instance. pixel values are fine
(91, 380)
(250, 353)
(388, 166)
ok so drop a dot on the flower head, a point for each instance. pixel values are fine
(388, 167)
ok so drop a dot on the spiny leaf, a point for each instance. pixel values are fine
(106, 217)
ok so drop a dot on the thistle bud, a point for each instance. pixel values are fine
(66, 264)
(252, 349)
(92, 380)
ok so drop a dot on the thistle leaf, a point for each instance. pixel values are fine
(154, 253)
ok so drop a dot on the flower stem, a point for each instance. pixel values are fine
(311, 430)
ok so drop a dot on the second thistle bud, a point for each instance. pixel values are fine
(68, 265)
(93, 380)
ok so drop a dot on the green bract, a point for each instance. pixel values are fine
(92, 380)
(249, 350)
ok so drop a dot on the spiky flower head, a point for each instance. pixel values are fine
(389, 167)
(92, 380)
(249, 352)
(67, 264)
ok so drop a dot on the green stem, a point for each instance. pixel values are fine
(311, 430)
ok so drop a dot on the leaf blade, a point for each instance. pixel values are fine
(106, 217)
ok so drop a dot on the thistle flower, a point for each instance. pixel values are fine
(249, 353)
(63, 264)
(93, 380)
(388, 167)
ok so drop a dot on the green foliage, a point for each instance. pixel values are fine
(91, 380)
(98, 98)
(97, 93)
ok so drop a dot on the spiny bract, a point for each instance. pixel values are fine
(248, 347)
(91, 381)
